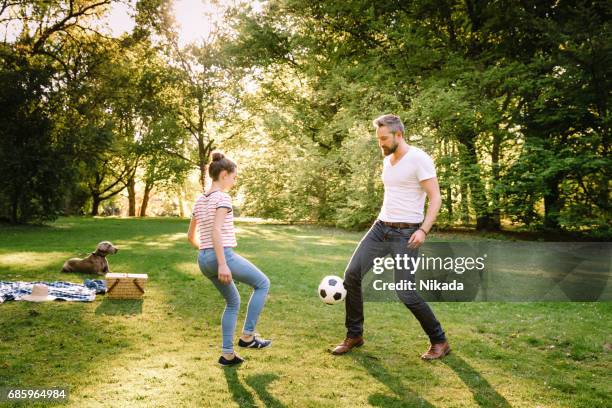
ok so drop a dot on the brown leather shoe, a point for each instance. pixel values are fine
(347, 345)
(435, 351)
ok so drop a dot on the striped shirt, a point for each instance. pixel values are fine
(204, 213)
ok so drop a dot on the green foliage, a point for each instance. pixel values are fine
(35, 166)
(361, 190)
(509, 99)
(106, 108)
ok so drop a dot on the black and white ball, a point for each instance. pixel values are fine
(331, 290)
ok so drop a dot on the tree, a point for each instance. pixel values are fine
(37, 150)
(508, 95)
(208, 85)
(33, 169)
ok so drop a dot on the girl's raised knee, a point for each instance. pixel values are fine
(233, 302)
(264, 284)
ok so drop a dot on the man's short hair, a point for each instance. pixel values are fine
(393, 122)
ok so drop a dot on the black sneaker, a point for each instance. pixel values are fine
(227, 363)
(256, 343)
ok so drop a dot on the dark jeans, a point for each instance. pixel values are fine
(380, 241)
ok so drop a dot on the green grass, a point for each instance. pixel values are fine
(162, 351)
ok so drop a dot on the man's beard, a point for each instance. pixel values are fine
(390, 150)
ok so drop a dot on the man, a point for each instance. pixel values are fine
(408, 176)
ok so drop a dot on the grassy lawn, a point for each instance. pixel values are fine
(163, 351)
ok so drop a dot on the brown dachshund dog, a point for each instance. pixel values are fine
(94, 263)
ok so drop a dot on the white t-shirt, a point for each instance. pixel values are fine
(404, 198)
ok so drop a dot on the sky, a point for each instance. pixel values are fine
(195, 17)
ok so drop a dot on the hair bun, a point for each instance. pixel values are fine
(216, 156)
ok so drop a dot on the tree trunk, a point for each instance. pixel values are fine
(322, 210)
(603, 199)
(145, 199)
(131, 187)
(484, 220)
(552, 204)
(180, 204)
(464, 203)
(95, 205)
(203, 167)
(204, 151)
(15, 208)
(495, 156)
(448, 199)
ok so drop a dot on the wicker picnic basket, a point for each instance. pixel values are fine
(125, 285)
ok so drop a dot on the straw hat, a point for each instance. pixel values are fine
(40, 293)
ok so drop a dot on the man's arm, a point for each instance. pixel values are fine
(432, 189)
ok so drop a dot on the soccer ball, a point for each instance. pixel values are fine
(331, 290)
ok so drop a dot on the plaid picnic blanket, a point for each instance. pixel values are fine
(61, 290)
(97, 284)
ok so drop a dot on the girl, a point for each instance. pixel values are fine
(212, 218)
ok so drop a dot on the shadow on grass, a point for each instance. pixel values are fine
(259, 383)
(119, 307)
(484, 394)
(240, 394)
(244, 397)
(405, 397)
(52, 344)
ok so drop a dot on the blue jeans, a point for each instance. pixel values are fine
(242, 271)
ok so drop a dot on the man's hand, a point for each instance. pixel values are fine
(224, 274)
(416, 239)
